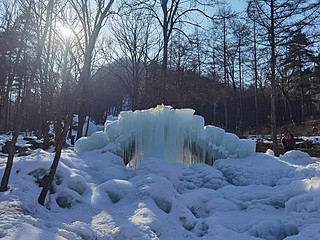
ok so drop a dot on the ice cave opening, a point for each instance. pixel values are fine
(174, 135)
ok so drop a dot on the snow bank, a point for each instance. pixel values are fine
(174, 135)
(256, 169)
(297, 158)
(95, 196)
(95, 141)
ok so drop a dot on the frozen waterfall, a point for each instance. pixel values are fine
(175, 135)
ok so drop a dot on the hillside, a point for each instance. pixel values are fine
(310, 127)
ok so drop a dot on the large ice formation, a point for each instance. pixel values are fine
(175, 135)
(91, 129)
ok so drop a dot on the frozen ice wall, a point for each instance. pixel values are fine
(91, 129)
(175, 135)
(161, 132)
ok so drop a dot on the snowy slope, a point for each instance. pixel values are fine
(97, 197)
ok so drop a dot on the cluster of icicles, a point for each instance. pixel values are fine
(174, 135)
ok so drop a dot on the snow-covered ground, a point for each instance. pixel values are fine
(97, 197)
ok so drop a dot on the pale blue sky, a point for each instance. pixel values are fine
(238, 5)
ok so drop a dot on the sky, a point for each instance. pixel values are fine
(238, 5)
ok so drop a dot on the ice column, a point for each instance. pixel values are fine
(157, 132)
(174, 135)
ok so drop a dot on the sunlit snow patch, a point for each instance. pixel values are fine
(175, 135)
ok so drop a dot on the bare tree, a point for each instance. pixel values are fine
(173, 15)
(240, 32)
(22, 101)
(279, 18)
(92, 25)
(225, 15)
(92, 20)
(132, 33)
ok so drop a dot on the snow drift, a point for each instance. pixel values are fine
(96, 197)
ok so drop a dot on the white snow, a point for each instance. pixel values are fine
(96, 140)
(297, 157)
(313, 139)
(96, 196)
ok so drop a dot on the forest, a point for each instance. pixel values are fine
(95, 58)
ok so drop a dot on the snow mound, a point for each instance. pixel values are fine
(117, 189)
(297, 157)
(95, 141)
(95, 196)
(257, 169)
(270, 152)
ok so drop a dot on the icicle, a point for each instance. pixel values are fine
(174, 135)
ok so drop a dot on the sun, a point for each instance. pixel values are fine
(65, 31)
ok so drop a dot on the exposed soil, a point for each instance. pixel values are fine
(310, 127)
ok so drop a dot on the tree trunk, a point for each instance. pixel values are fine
(215, 114)
(83, 81)
(87, 127)
(7, 171)
(226, 119)
(81, 120)
(273, 83)
(70, 130)
(164, 70)
(289, 102)
(225, 72)
(255, 76)
(302, 97)
(240, 88)
(60, 140)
